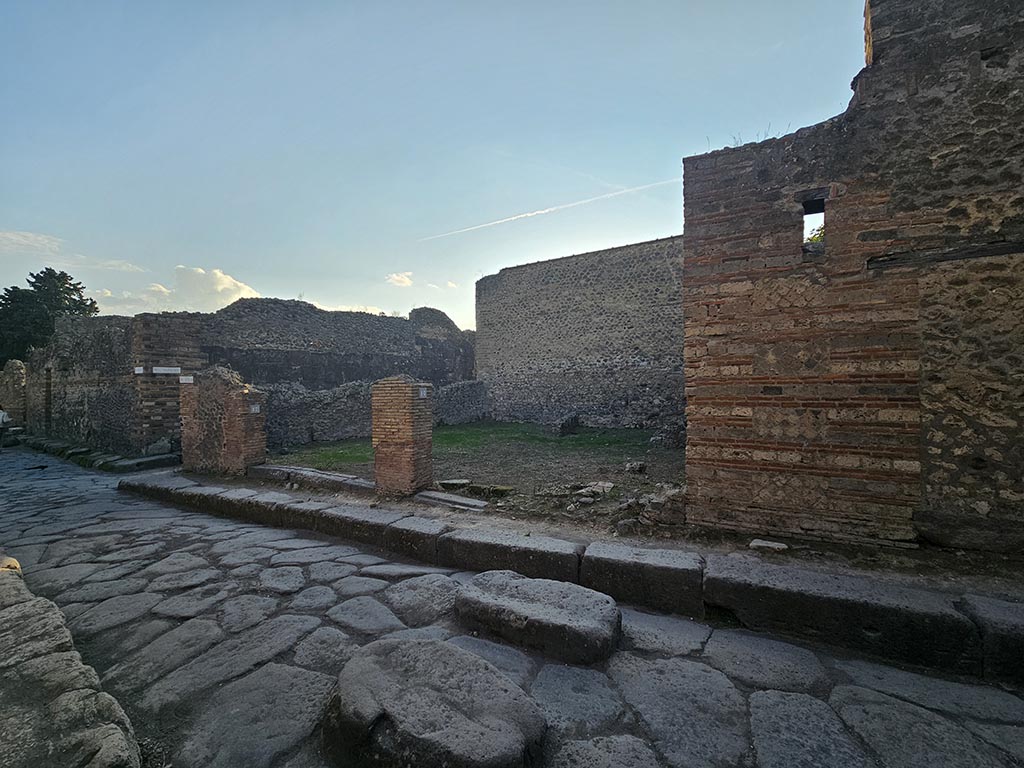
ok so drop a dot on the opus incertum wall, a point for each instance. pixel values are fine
(872, 388)
(599, 335)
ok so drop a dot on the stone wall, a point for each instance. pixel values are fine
(599, 335)
(462, 403)
(113, 382)
(815, 377)
(223, 426)
(12, 392)
(80, 387)
(297, 415)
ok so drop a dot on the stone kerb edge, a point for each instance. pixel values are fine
(670, 581)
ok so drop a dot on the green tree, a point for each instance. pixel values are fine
(27, 314)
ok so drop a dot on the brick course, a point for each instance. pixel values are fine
(222, 423)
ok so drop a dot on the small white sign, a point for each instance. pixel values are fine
(186, 379)
(175, 369)
(423, 393)
(254, 408)
(139, 369)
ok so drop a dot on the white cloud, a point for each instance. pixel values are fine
(194, 289)
(435, 287)
(50, 250)
(452, 285)
(401, 279)
(349, 308)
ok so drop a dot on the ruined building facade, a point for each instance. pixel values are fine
(598, 335)
(115, 382)
(871, 389)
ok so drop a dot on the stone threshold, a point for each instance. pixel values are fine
(960, 633)
(97, 459)
(318, 479)
(45, 686)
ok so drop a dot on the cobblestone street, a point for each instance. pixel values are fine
(223, 641)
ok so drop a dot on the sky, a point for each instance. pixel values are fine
(181, 154)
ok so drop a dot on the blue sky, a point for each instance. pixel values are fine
(182, 154)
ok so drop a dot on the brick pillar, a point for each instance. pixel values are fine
(402, 434)
(223, 424)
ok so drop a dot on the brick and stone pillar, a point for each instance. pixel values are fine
(223, 425)
(402, 434)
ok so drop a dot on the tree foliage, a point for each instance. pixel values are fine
(27, 314)
(817, 235)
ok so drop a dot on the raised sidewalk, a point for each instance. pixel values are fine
(957, 632)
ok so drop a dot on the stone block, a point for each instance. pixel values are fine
(416, 537)
(537, 556)
(1002, 634)
(664, 579)
(359, 524)
(891, 621)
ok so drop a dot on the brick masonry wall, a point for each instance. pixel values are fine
(223, 423)
(805, 370)
(296, 415)
(598, 334)
(402, 435)
(12, 392)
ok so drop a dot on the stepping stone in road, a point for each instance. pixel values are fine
(424, 599)
(562, 620)
(427, 703)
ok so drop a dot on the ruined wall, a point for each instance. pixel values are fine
(972, 378)
(80, 387)
(12, 392)
(805, 367)
(464, 402)
(598, 334)
(270, 341)
(222, 423)
(297, 415)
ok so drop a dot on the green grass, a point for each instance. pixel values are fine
(477, 439)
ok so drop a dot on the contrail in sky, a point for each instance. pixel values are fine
(552, 209)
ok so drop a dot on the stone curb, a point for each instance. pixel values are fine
(97, 459)
(44, 686)
(970, 635)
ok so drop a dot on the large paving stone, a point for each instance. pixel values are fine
(316, 598)
(246, 611)
(285, 580)
(230, 658)
(1009, 738)
(424, 599)
(664, 579)
(194, 601)
(429, 703)
(397, 571)
(793, 730)
(564, 621)
(177, 562)
(312, 555)
(112, 612)
(513, 663)
(903, 735)
(537, 556)
(182, 580)
(979, 702)
(55, 580)
(577, 702)
(365, 616)
(1002, 631)
(30, 629)
(868, 614)
(326, 650)
(356, 586)
(761, 662)
(696, 716)
(330, 571)
(101, 590)
(664, 635)
(605, 752)
(253, 721)
(166, 653)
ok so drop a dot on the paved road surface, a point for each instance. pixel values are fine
(222, 641)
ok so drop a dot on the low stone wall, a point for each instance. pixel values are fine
(462, 403)
(296, 415)
(54, 712)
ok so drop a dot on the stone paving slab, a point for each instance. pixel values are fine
(658, 702)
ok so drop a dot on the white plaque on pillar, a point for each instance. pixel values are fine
(139, 369)
(186, 379)
(166, 369)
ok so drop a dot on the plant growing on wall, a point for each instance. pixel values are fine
(27, 314)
